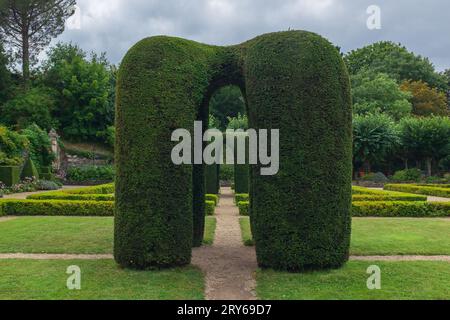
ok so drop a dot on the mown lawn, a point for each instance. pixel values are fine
(391, 236)
(77, 235)
(399, 281)
(100, 280)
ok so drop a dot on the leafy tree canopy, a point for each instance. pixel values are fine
(83, 88)
(375, 136)
(28, 26)
(396, 61)
(227, 102)
(5, 76)
(34, 106)
(379, 93)
(426, 101)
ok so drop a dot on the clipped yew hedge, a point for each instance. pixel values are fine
(420, 189)
(294, 81)
(210, 207)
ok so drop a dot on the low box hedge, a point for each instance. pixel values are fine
(241, 197)
(57, 208)
(212, 197)
(400, 209)
(59, 195)
(387, 209)
(210, 208)
(389, 197)
(100, 189)
(420, 189)
(244, 208)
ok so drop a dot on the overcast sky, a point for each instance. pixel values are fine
(114, 26)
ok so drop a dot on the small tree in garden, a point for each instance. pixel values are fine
(426, 100)
(375, 135)
(426, 138)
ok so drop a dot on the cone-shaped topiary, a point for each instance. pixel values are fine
(29, 170)
(293, 81)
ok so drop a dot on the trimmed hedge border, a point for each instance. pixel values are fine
(72, 197)
(388, 197)
(212, 197)
(101, 189)
(57, 208)
(387, 209)
(244, 208)
(419, 189)
(401, 209)
(210, 208)
(241, 197)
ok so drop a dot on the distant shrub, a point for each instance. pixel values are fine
(48, 185)
(90, 173)
(40, 146)
(408, 175)
(376, 177)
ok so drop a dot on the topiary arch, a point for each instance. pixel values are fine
(293, 81)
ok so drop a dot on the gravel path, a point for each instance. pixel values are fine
(400, 258)
(229, 265)
(31, 256)
(3, 219)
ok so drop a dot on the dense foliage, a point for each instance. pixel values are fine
(396, 61)
(83, 88)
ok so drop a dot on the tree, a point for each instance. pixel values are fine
(426, 138)
(28, 107)
(83, 88)
(29, 25)
(426, 101)
(396, 61)
(374, 136)
(227, 102)
(5, 76)
(379, 93)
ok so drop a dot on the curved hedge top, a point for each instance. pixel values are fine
(293, 81)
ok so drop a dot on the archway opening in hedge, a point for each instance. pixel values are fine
(292, 81)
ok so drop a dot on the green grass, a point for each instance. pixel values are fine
(391, 236)
(75, 235)
(246, 232)
(399, 236)
(100, 280)
(399, 280)
(210, 230)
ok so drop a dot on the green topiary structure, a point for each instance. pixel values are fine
(29, 170)
(212, 178)
(293, 81)
(9, 175)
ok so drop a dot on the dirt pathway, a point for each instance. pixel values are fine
(229, 265)
(32, 256)
(400, 258)
(3, 219)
